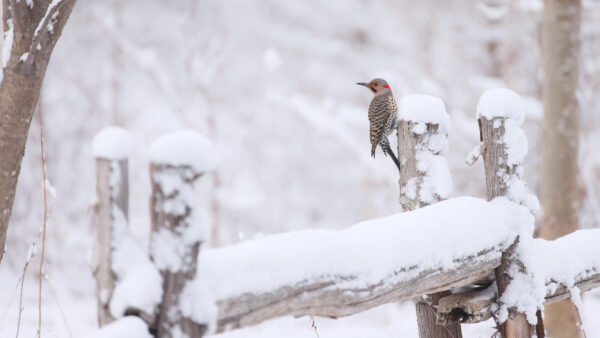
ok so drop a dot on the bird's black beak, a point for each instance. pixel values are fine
(366, 85)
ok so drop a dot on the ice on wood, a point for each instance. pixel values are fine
(113, 143)
(127, 327)
(184, 148)
(433, 237)
(8, 42)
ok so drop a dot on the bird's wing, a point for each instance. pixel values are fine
(379, 113)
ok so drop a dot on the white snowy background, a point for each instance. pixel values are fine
(271, 83)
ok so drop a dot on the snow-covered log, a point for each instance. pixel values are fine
(425, 179)
(178, 159)
(500, 113)
(339, 273)
(110, 147)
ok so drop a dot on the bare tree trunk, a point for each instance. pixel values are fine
(20, 88)
(560, 141)
(112, 193)
(173, 234)
(411, 183)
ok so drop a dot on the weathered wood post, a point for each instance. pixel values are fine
(178, 160)
(423, 125)
(504, 146)
(111, 149)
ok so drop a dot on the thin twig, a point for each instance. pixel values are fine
(44, 223)
(22, 282)
(60, 309)
(314, 325)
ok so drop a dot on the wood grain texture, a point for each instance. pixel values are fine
(109, 197)
(495, 160)
(469, 307)
(164, 217)
(338, 296)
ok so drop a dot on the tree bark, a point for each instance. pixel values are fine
(20, 87)
(560, 142)
(411, 178)
(111, 194)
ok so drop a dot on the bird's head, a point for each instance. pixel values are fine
(377, 86)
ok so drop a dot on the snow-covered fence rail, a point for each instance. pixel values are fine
(339, 273)
(423, 126)
(569, 263)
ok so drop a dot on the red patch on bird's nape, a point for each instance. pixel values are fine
(387, 86)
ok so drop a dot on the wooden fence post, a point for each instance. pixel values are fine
(425, 179)
(178, 160)
(500, 113)
(110, 148)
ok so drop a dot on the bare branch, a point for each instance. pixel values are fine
(42, 29)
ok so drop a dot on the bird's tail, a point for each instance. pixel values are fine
(373, 147)
(389, 151)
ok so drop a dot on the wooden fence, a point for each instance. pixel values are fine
(329, 294)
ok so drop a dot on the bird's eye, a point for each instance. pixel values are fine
(375, 84)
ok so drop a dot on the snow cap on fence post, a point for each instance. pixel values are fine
(423, 125)
(113, 143)
(184, 148)
(178, 230)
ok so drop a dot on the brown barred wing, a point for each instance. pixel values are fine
(379, 113)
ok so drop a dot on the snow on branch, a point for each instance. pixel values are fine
(45, 26)
(339, 273)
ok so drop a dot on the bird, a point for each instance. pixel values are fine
(382, 117)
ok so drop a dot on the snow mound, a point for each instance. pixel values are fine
(425, 109)
(433, 237)
(113, 143)
(127, 327)
(140, 289)
(184, 148)
(501, 102)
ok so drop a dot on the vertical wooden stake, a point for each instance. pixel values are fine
(111, 148)
(175, 244)
(414, 143)
(497, 169)
(113, 192)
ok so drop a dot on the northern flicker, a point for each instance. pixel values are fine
(382, 116)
